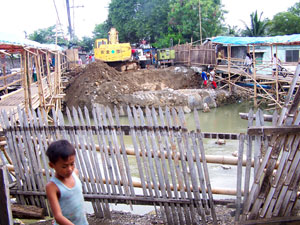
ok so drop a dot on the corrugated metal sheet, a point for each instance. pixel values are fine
(286, 39)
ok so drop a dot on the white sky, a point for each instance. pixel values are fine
(18, 16)
(241, 9)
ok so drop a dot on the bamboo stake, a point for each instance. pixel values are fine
(164, 164)
(239, 178)
(172, 123)
(254, 74)
(95, 162)
(138, 114)
(133, 134)
(86, 163)
(192, 171)
(171, 164)
(248, 158)
(205, 169)
(112, 153)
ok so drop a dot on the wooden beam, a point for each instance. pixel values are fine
(267, 130)
(5, 207)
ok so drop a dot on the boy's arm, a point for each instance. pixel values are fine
(52, 191)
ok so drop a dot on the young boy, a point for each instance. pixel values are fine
(64, 191)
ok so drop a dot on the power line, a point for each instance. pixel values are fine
(56, 12)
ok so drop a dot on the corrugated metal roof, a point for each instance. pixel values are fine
(10, 39)
(286, 39)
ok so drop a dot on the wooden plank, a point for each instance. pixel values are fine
(94, 176)
(269, 130)
(123, 149)
(248, 158)
(161, 148)
(184, 181)
(98, 174)
(205, 168)
(5, 207)
(120, 162)
(6, 123)
(87, 162)
(167, 146)
(239, 178)
(193, 175)
(136, 149)
(112, 152)
(140, 136)
(101, 150)
(174, 147)
(149, 140)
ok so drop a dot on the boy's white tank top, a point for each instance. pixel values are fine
(71, 201)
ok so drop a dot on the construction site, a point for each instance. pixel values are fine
(84, 104)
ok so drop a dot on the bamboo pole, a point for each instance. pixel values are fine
(254, 74)
(229, 64)
(277, 60)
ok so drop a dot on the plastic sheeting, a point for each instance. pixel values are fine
(257, 40)
(10, 39)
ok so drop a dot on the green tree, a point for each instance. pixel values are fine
(47, 36)
(101, 30)
(86, 43)
(233, 31)
(123, 16)
(184, 18)
(284, 23)
(258, 26)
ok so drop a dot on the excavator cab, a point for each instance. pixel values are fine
(100, 42)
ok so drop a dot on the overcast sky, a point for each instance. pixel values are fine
(18, 16)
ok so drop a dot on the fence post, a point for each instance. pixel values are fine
(5, 209)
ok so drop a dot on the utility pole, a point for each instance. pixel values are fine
(69, 19)
(200, 27)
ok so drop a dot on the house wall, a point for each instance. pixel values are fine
(281, 51)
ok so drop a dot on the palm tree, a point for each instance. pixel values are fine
(258, 26)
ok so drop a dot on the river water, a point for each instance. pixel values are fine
(224, 119)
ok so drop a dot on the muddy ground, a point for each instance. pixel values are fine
(102, 84)
(99, 83)
(225, 216)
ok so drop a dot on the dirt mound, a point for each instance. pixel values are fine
(102, 84)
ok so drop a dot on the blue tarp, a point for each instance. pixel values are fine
(11, 39)
(257, 40)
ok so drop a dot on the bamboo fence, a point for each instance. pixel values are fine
(170, 172)
(172, 167)
(195, 55)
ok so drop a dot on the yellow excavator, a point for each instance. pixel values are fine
(117, 55)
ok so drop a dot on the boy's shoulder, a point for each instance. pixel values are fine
(51, 187)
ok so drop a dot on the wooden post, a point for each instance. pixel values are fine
(254, 77)
(229, 64)
(25, 83)
(5, 81)
(5, 207)
(277, 94)
(37, 60)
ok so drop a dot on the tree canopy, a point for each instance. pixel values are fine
(47, 36)
(286, 22)
(162, 22)
(258, 25)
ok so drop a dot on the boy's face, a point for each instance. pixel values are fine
(64, 168)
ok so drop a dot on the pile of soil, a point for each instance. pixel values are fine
(102, 84)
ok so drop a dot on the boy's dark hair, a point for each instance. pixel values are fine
(60, 149)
